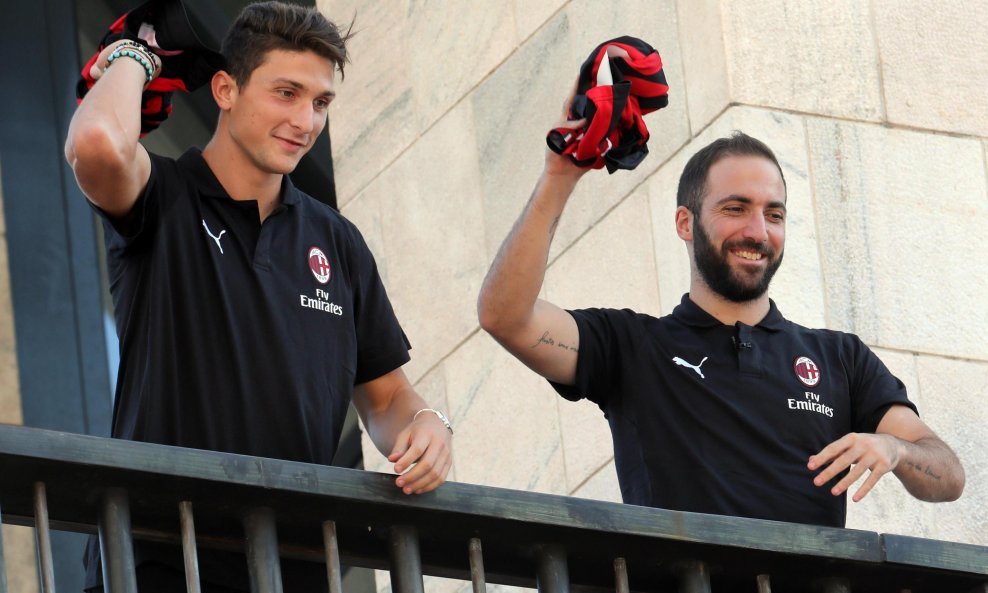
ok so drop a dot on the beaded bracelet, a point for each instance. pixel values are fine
(136, 52)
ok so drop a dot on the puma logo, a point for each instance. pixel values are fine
(212, 236)
(696, 368)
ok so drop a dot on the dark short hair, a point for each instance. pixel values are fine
(266, 26)
(693, 181)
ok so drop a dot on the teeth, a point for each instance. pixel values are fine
(749, 255)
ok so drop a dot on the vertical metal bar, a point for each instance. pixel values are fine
(836, 585)
(477, 576)
(333, 572)
(621, 575)
(764, 582)
(263, 562)
(115, 544)
(43, 538)
(189, 551)
(694, 578)
(553, 576)
(406, 562)
(3, 563)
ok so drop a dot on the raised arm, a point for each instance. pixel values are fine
(902, 444)
(540, 334)
(110, 165)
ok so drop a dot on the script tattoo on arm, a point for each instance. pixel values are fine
(548, 341)
(924, 470)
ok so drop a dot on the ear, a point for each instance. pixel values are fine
(224, 89)
(684, 223)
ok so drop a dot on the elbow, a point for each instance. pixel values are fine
(488, 315)
(94, 148)
(957, 486)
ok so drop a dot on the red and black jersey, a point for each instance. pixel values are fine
(621, 81)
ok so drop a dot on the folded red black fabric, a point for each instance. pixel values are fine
(187, 62)
(619, 82)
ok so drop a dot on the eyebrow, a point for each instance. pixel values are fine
(298, 85)
(746, 200)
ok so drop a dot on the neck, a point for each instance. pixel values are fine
(240, 177)
(726, 311)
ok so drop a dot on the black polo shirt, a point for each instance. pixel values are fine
(239, 336)
(722, 419)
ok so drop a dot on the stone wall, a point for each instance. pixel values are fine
(875, 109)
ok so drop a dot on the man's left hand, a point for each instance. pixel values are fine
(424, 446)
(877, 453)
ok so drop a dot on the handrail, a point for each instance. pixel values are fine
(518, 530)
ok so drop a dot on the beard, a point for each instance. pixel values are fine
(735, 286)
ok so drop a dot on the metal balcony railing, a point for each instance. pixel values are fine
(275, 509)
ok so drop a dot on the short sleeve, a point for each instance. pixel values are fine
(381, 344)
(874, 389)
(604, 333)
(144, 216)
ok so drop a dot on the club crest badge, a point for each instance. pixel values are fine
(806, 371)
(319, 265)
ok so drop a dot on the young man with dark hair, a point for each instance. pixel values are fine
(248, 313)
(723, 406)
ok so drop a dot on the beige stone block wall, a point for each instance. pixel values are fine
(874, 109)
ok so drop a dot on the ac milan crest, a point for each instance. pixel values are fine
(806, 371)
(319, 265)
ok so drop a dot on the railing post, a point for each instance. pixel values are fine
(115, 543)
(477, 576)
(43, 538)
(333, 572)
(3, 563)
(694, 577)
(263, 562)
(553, 576)
(764, 583)
(621, 575)
(189, 551)
(406, 563)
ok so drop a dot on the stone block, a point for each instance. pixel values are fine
(10, 392)
(953, 393)
(19, 557)
(656, 23)
(412, 62)
(433, 238)
(816, 56)
(365, 212)
(611, 266)
(934, 61)
(375, 115)
(602, 485)
(513, 110)
(899, 215)
(507, 424)
(530, 16)
(701, 37)
(797, 287)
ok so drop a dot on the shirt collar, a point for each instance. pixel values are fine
(692, 314)
(208, 185)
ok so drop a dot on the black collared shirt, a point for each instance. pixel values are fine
(722, 419)
(239, 336)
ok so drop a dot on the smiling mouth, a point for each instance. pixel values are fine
(749, 255)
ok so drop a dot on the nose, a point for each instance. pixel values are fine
(756, 228)
(304, 118)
